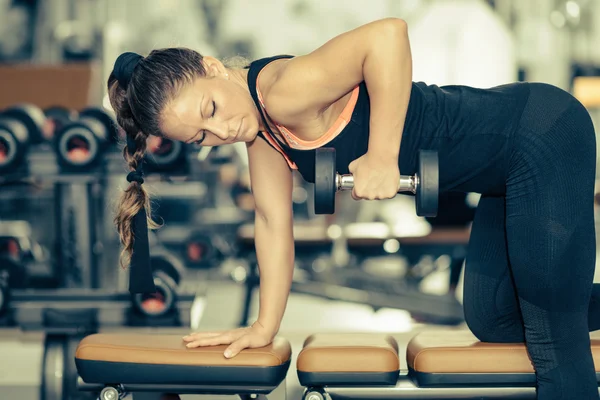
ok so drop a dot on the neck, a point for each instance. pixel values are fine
(240, 76)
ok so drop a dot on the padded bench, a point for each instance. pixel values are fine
(441, 364)
(151, 362)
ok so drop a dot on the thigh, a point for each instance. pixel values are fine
(490, 302)
(551, 238)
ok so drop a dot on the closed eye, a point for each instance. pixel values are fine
(214, 108)
(199, 141)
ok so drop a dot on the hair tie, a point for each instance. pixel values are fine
(135, 176)
(124, 66)
(138, 174)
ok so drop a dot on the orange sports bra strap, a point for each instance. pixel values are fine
(277, 147)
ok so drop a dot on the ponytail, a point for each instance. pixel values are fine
(139, 88)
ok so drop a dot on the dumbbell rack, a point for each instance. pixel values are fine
(79, 306)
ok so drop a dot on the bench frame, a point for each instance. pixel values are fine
(147, 392)
(407, 388)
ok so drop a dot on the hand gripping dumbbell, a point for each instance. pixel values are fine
(424, 184)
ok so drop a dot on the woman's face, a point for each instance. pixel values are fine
(213, 110)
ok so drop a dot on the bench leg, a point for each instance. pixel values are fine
(153, 396)
(111, 393)
(279, 393)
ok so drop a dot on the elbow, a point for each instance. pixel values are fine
(392, 28)
(273, 219)
(260, 215)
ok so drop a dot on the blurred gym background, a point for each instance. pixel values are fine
(373, 266)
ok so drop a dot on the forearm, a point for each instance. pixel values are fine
(387, 73)
(275, 253)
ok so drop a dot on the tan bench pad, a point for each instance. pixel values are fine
(459, 351)
(352, 352)
(170, 350)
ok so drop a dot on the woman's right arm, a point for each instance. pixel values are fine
(271, 183)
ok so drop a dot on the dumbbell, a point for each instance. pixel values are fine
(57, 118)
(201, 252)
(167, 271)
(424, 184)
(81, 143)
(164, 155)
(20, 127)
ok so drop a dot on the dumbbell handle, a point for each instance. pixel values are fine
(407, 183)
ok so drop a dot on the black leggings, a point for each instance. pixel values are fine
(531, 259)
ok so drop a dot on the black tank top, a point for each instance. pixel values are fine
(469, 127)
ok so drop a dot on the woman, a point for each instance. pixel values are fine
(528, 148)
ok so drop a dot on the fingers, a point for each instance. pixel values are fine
(352, 166)
(210, 341)
(237, 346)
(200, 335)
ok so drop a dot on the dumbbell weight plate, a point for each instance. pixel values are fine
(57, 118)
(427, 196)
(168, 272)
(325, 187)
(106, 119)
(32, 117)
(200, 251)
(162, 301)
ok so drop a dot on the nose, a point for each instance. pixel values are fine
(220, 130)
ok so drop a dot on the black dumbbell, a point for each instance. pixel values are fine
(167, 271)
(424, 184)
(57, 118)
(20, 127)
(201, 251)
(164, 155)
(81, 143)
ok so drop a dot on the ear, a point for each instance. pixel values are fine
(213, 66)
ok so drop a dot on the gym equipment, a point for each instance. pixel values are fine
(164, 155)
(81, 143)
(114, 365)
(168, 272)
(77, 310)
(351, 284)
(16, 242)
(20, 127)
(77, 237)
(57, 118)
(424, 184)
(201, 251)
(440, 364)
(10, 272)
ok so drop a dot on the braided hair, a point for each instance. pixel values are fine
(139, 88)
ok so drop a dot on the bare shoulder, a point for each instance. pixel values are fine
(310, 83)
